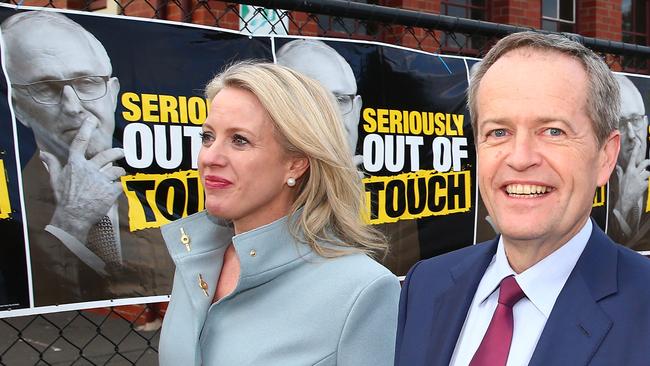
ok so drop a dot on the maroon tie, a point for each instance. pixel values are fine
(495, 345)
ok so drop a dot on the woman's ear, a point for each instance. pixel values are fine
(298, 166)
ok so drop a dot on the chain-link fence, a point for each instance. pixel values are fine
(108, 336)
(129, 335)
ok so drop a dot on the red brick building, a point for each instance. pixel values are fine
(618, 20)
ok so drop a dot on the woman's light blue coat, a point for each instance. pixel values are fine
(290, 306)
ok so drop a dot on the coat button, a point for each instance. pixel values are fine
(253, 253)
(185, 240)
(203, 285)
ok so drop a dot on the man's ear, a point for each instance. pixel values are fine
(18, 111)
(357, 103)
(113, 85)
(608, 156)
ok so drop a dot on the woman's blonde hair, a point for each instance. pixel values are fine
(308, 123)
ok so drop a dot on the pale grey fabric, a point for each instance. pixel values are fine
(290, 307)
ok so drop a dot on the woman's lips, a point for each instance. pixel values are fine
(212, 181)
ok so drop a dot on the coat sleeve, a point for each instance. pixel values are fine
(368, 336)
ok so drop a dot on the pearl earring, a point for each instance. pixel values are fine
(291, 182)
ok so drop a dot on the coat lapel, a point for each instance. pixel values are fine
(577, 325)
(203, 256)
(452, 305)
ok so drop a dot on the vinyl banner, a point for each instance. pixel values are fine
(107, 120)
(101, 121)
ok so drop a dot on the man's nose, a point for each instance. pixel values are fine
(524, 152)
(69, 100)
(629, 131)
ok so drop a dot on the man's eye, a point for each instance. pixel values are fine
(239, 140)
(554, 132)
(499, 132)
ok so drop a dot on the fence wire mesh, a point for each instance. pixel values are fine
(125, 335)
(129, 335)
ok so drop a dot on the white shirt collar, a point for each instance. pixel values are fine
(543, 281)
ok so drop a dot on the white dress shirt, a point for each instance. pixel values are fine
(541, 283)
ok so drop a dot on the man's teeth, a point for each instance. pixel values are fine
(526, 189)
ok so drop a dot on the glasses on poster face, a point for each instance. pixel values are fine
(637, 123)
(49, 92)
(345, 102)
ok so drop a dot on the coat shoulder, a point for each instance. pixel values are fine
(634, 272)
(360, 268)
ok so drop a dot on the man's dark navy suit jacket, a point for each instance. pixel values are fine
(601, 317)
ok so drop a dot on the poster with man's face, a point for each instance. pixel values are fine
(102, 139)
(409, 134)
(108, 132)
(629, 208)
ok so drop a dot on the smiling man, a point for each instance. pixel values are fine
(552, 289)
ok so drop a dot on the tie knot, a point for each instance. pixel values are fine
(510, 292)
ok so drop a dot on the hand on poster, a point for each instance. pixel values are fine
(633, 182)
(84, 189)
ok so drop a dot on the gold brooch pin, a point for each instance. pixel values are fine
(203, 285)
(185, 240)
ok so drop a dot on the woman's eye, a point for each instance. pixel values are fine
(206, 138)
(239, 140)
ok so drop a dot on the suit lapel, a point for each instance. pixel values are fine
(452, 305)
(577, 325)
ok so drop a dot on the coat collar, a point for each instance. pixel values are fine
(264, 253)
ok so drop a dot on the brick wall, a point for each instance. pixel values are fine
(516, 12)
(595, 18)
(600, 18)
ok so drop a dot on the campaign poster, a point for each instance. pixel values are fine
(108, 112)
(14, 284)
(409, 134)
(102, 118)
(629, 208)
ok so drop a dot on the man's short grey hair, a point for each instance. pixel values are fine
(285, 56)
(603, 96)
(22, 22)
(299, 45)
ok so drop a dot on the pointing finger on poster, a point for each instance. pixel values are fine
(79, 144)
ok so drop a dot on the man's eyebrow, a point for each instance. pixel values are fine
(633, 116)
(74, 75)
(495, 121)
(538, 121)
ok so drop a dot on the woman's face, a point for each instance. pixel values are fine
(243, 167)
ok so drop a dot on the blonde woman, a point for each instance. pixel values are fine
(277, 269)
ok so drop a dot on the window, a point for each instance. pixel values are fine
(635, 20)
(635, 15)
(559, 15)
(470, 9)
